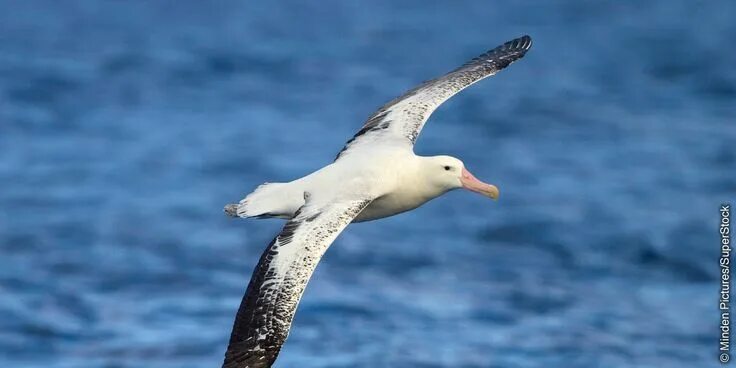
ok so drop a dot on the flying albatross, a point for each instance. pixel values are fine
(375, 175)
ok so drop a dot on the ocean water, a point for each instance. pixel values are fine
(126, 126)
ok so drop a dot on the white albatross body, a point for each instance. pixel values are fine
(376, 175)
(394, 178)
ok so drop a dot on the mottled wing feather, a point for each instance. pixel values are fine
(265, 314)
(402, 119)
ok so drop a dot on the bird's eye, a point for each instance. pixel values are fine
(447, 168)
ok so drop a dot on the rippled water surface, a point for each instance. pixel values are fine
(126, 126)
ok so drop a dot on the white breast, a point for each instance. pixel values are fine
(403, 188)
(391, 204)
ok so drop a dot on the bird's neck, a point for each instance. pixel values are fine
(422, 179)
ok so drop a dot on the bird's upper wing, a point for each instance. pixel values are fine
(264, 317)
(403, 118)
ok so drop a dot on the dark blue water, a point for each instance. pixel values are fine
(126, 126)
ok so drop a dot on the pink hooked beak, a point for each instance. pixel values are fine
(470, 182)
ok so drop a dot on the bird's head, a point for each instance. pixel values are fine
(447, 173)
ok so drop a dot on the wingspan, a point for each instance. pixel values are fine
(265, 314)
(402, 119)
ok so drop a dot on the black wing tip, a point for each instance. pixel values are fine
(522, 43)
(518, 46)
(502, 56)
(249, 358)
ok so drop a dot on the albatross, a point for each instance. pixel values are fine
(375, 175)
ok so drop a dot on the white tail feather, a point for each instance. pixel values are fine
(267, 200)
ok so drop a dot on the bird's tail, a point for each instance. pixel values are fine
(267, 201)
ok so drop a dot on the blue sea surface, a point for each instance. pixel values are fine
(126, 126)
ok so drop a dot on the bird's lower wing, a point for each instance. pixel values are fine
(265, 314)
